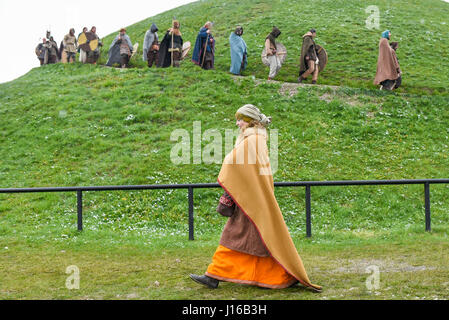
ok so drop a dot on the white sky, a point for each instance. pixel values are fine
(24, 23)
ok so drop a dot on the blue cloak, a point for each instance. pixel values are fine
(239, 59)
(198, 51)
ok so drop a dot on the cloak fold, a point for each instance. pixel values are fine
(114, 50)
(200, 44)
(164, 48)
(387, 63)
(308, 48)
(246, 177)
(238, 53)
(150, 36)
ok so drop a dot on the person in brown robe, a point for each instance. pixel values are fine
(255, 247)
(388, 70)
(309, 59)
(398, 82)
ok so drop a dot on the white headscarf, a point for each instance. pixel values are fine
(253, 112)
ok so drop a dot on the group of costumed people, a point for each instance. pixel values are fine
(273, 52)
(255, 246)
(48, 52)
(169, 52)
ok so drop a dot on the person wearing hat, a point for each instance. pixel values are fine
(388, 70)
(126, 47)
(120, 50)
(272, 59)
(308, 61)
(255, 247)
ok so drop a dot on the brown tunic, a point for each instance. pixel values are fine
(239, 233)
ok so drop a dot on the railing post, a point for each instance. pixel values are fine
(427, 204)
(191, 236)
(308, 213)
(79, 197)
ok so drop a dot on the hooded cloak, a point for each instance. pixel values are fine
(387, 63)
(273, 35)
(308, 49)
(238, 53)
(150, 37)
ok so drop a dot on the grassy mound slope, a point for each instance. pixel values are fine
(420, 27)
(87, 125)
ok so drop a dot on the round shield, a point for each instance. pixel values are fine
(322, 56)
(185, 49)
(281, 53)
(88, 41)
(135, 47)
(82, 39)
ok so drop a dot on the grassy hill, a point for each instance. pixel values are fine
(77, 125)
(420, 27)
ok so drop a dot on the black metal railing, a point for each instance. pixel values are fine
(190, 187)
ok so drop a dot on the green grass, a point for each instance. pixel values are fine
(79, 125)
(420, 27)
(412, 266)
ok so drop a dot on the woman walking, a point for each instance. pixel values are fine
(255, 246)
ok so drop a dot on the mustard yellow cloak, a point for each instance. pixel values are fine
(246, 176)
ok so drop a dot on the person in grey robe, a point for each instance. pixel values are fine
(120, 50)
(151, 46)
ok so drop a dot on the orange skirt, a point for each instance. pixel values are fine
(238, 267)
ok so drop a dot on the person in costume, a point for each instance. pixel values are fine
(42, 50)
(271, 48)
(239, 54)
(61, 53)
(170, 50)
(69, 46)
(308, 61)
(151, 46)
(120, 50)
(53, 51)
(83, 54)
(93, 56)
(255, 247)
(388, 70)
(204, 51)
